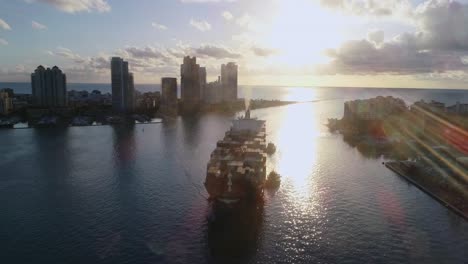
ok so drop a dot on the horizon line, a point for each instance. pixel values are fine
(297, 86)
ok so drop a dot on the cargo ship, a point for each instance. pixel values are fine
(237, 167)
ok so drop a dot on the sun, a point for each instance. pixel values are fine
(302, 30)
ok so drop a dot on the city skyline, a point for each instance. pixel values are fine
(392, 43)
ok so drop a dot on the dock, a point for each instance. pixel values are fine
(396, 167)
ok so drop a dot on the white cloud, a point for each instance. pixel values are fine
(38, 26)
(438, 45)
(376, 36)
(218, 52)
(263, 52)
(68, 54)
(74, 6)
(201, 25)
(4, 25)
(464, 60)
(159, 26)
(370, 7)
(227, 15)
(3, 42)
(249, 22)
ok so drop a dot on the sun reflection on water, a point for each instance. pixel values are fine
(296, 132)
(296, 139)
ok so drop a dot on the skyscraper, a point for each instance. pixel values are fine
(123, 89)
(169, 96)
(229, 81)
(190, 84)
(49, 87)
(202, 77)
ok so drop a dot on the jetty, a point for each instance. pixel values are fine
(447, 199)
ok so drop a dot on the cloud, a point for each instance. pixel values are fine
(201, 25)
(263, 52)
(217, 52)
(249, 22)
(38, 26)
(376, 36)
(74, 6)
(227, 15)
(439, 45)
(369, 7)
(443, 24)
(67, 54)
(4, 25)
(362, 57)
(159, 26)
(146, 52)
(3, 42)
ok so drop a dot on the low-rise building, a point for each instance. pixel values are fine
(458, 108)
(373, 109)
(6, 102)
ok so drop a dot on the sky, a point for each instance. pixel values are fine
(359, 43)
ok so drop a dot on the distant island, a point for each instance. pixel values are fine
(426, 142)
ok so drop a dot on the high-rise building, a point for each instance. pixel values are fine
(169, 96)
(229, 81)
(213, 92)
(190, 84)
(123, 88)
(202, 72)
(49, 87)
(6, 102)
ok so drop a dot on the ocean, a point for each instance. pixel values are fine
(301, 94)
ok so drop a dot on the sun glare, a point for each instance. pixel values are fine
(298, 154)
(302, 30)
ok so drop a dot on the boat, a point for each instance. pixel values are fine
(81, 121)
(6, 124)
(47, 121)
(236, 170)
(273, 181)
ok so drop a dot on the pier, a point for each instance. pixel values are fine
(396, 167)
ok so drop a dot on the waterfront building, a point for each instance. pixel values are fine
(202, 73)
(190, 84)
(458, 108)
(229, 81)
(169, 96)
(85, 98)
(213, 92)
(373, 109)
(49, 87)
(6, 102)
(123, 89)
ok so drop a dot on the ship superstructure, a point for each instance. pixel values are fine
(237, 167)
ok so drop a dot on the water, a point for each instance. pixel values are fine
(135, 195)
(301, 94)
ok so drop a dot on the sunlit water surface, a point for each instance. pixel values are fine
(136, 195)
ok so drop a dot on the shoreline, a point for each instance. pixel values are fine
(97, 125)
(394, 166)
(263, 104)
